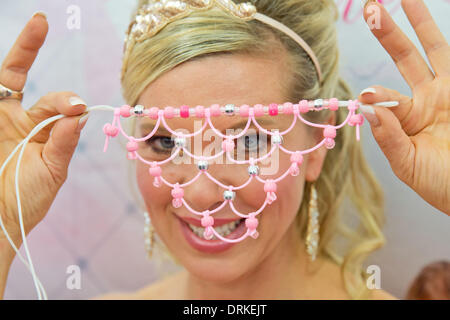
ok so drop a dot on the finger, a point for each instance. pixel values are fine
(406, 56)
(388, 132)
(66, 103)
(58, 150)
(433, 41)
(376, 94)
(14, 69)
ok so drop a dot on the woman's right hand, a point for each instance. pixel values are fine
(46, 158)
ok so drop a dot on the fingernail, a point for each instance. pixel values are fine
(370, 115)
(387, 104)
(82, 122)
(368, 90)
(40, 13)
(76, 101)
(371, 1)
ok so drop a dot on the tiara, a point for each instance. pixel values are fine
(156, 14)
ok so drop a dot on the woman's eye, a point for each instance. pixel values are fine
(161, 144)
(249, 142)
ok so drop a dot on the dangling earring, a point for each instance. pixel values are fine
(312, 234)
(149, 234)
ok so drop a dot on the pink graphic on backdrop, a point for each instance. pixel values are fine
(352, 10)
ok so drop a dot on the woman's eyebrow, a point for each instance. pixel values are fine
(150, 126)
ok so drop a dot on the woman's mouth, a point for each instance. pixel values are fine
(224, 230)
(194, 235)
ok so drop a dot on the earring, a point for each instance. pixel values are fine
(312, 234)
(149, 234)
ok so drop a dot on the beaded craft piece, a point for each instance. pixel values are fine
(113, 129)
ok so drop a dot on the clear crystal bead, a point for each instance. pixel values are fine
(202, 165)
(277, 138)
(229, 195)
(318, 103)
(139, 110)
(229, 109)
(180, 142)
(253, 170)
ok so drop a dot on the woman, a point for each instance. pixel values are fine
(175, 68)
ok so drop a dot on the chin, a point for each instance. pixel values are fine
(218, 270)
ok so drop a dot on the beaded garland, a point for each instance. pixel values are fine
(112, 130)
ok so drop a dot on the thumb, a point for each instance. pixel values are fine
(387, 129)
(59, 148)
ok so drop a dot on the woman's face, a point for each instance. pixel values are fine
(222, 79)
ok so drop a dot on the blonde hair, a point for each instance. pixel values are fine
(345, 174)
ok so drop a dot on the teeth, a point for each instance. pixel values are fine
(223, 230)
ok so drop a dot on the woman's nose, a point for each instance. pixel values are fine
(203, 194)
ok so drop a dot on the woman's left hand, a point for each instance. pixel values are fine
(415, 136)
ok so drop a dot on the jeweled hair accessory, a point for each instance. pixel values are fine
(155, 15)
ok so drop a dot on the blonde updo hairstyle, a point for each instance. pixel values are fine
(350, 200)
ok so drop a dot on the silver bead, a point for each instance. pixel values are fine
(139, 110)
(277, 138)
(180, 142)
(253, 170)
(229, 195)
(229, 109)
(202, 165)
(318, 103)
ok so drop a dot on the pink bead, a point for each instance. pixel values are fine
(297, 157)
(207, 221)
(352, 105)
(125, 111)
(356, 119)
(273, 109)
(254, 234)
(258, 110)
(294, 170)
(177, 192)
(157, 182)
(288, 108)
(227, 145)
(303, 106)
(270, 186)
(215, 110)
(329, 132)
(208, 234)
(333, 104)
(184, 111)
(251, 223)
(110, 130)
(153, 113)
(169, 112)
(177, 203)
(155, 171)
(329, 143)
(243, 110)
(200, 112)
(132, 146)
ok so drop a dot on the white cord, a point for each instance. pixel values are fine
(23, 144)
